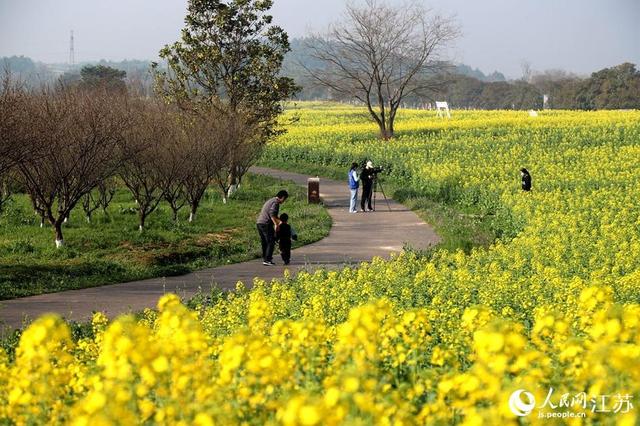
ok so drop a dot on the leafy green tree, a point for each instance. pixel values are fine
(228, 63)
(103, 77)
(230, 55)
(611, 88)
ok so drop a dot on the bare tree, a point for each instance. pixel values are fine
(142, 169)
(242, 143)
(380, 54)
(14, 145)
(38, 210)
(90, 203)
(6, 190)
(243, 154)
(174, 172)
(205, 148)
(106, 192)
(13, 117)
(99, 198)
(76, 138)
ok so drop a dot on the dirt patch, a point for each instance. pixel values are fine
(151, 254)
(216, 237)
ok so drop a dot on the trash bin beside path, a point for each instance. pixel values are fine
(313, 190)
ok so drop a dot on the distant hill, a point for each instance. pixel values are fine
(616, 87)
(26, 70)
(300, 57)
(466, 70)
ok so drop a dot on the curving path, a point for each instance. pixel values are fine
(353, 238)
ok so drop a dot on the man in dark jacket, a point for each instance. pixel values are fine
(367, 177)
(267, 224)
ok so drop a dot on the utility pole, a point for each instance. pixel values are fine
(72, 53)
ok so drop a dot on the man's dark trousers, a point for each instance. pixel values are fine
(268, 240)
(367, 191)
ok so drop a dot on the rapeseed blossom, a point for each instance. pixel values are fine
(552, 304)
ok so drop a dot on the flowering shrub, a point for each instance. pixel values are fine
(554, 310)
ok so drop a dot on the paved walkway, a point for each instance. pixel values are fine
(353, 238)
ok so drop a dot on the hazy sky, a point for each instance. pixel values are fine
(577, 35)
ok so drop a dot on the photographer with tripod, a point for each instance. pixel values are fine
(367, 176)
(371, 183)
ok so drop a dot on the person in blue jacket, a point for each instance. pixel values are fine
(354, 182)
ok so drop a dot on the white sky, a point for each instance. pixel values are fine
(577, 35)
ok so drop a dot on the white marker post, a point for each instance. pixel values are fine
(441, 108)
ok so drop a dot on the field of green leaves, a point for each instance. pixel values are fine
(541, 326)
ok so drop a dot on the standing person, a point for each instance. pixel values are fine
(284, 236)
(353, 187)
(526, 179)
(268, 223)
(367, 177)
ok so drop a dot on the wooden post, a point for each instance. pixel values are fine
(313, 190)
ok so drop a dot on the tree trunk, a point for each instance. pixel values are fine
(233, 183)
(385, 133)
(42, 218)
(390, 130)
(192, 214)
(393, 110)
(175, 213)
(232, 189)
(57, 226)
(143, 217)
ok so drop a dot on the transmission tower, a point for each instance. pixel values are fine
(72, 53)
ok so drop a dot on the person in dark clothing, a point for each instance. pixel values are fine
(526, 179)
(284, 236)
(267, 224)
(367, 177)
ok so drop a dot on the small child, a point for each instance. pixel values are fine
(284, 235)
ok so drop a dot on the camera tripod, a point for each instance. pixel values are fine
(376, 183)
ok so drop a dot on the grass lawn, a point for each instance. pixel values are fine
(111, 250)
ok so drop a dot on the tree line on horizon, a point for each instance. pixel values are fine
(616, 87)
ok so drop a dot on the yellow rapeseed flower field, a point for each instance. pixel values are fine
(544, 323)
